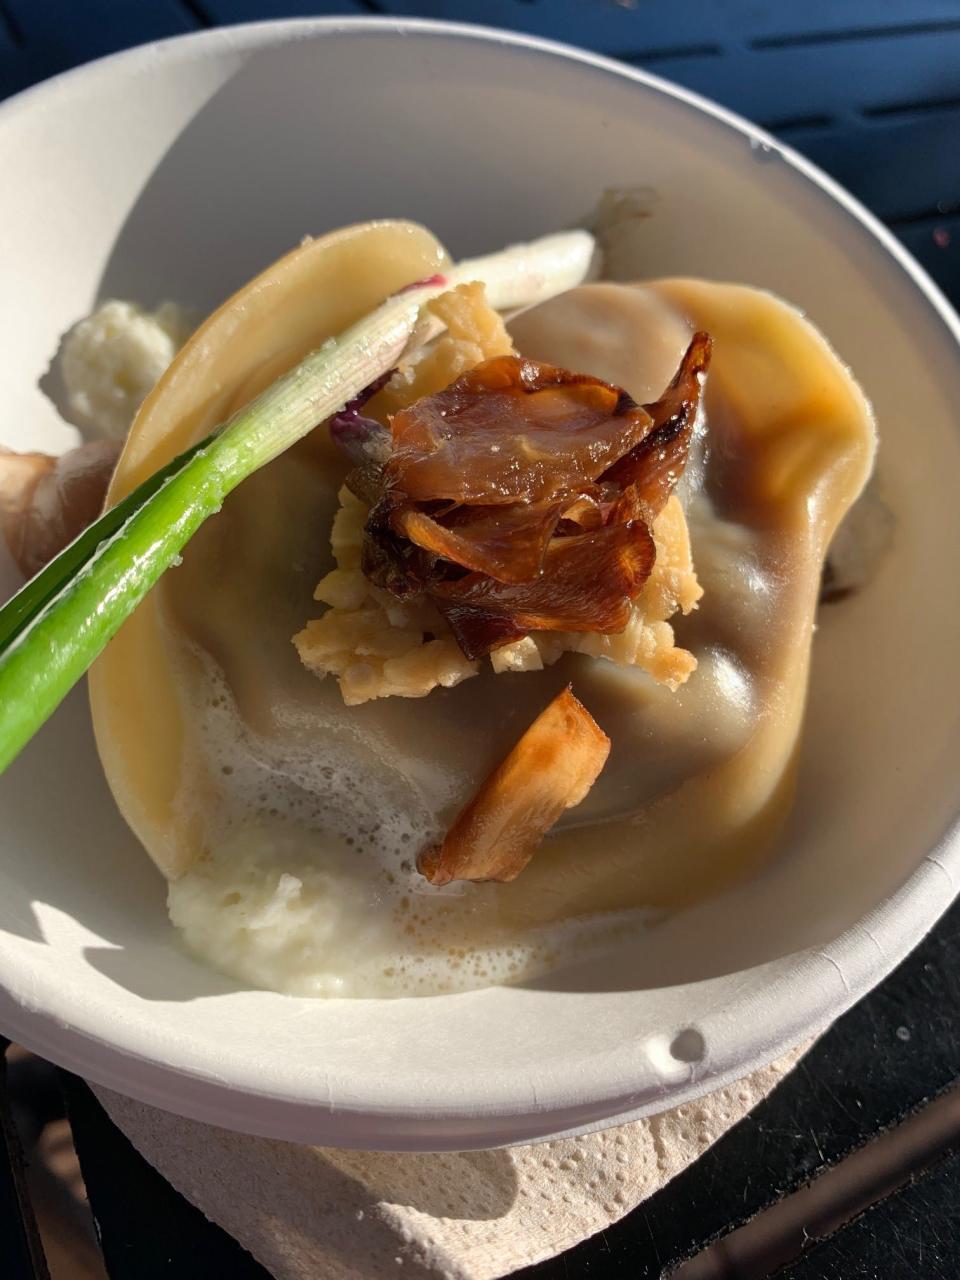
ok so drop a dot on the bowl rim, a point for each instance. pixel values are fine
(832, 977)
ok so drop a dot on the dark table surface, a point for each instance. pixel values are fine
(869, 90)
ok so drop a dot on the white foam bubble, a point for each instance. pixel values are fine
(309, 883)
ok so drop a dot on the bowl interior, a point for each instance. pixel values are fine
(176, 173)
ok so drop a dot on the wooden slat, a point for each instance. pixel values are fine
(9, 35)
(654, 25)
(72, 31)
(223, 11)
(897, 168)
(816, 21)
(654, 28)
(21, 1253)
(914, 1235)
(837, 80)
(54, 35)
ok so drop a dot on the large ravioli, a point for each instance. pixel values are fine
(698, 781)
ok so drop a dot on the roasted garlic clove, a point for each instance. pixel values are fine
(550, 769)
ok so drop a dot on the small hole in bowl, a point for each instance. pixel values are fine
(688, 1046)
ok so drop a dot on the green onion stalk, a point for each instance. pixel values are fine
(54, 628)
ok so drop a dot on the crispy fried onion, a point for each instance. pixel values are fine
(550, 769)
(520, 498)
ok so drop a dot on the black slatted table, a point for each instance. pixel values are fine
(869, 90)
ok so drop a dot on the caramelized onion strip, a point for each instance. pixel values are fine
(653, 467)
(512, 430)
(588, 584)
(506, 542)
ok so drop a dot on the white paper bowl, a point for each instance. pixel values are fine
(180, 169)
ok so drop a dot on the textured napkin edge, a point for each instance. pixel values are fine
(459, 1215)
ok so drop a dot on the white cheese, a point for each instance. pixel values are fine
(112, 360)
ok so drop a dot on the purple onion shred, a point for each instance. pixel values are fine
(362, 439)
